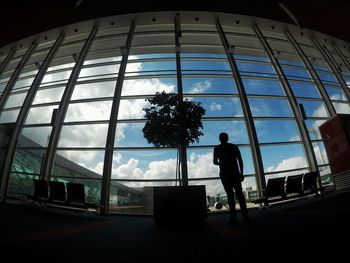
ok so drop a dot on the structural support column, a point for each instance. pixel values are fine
(258, 164)
(62, 109)
(305, 138)
(23, 115)
(15, 75)
(183, 148)
(313, 73)
(108, 159)
(333, 65)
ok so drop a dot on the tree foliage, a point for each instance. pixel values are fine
(171, 121)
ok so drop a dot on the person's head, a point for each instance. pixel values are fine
(223, 137)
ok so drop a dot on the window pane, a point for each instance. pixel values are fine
(132, 109)
(148, 86)
(335, 93)
(270, 107)
(93, 135)
(40, 115)
(296, 73)
(209, 85)
(262, 87)
(314, 108)
(341, 107)
(205, 65)
(48, 95)
(94, 90)
(15, 100)
(313, 128)
(9, 116)
(255, 69)
(320, 153)
(283, 157)
(236, 131)
(307, 90)
(276, 131)
(130, 135)
(151, 164)
(87, 164)
(35, 137)
(89, 111)
(221, 107)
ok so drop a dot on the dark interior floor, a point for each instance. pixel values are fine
(313, 228)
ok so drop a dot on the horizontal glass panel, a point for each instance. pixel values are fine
(209, 85)
(320, 153)
(99, 70)
(283, 157)
(335, 92)
(40, 114)
(296, 73)
(35, 137)
(200, 163)
(263, 87)
(202, 55)
(328, 77)
(15, 100)
(220, 106)
(307, 90)
(148, 86)
(314, 108)
(9, 116)
(150, 66)
(341, 107)
(62, 66)
(236, 130)
(130, 135)
(101, 60)
(205, 65)
(64, 75)
(262, 107)
(93, 135)
(276, 131)
(89, 111)
(23, 83)
(313, 128)
(132, 109)
(48, 95)
(87, 164)
(259, 69)
(94, 90)
(151, 164)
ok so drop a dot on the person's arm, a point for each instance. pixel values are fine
(215, 156)
(240, 163)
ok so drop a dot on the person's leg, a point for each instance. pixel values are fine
(241, 200)
(231, 202)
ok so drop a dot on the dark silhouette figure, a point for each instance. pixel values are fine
(228, 157)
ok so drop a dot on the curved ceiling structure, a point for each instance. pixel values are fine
(21, 19)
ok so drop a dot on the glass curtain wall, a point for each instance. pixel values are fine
(206, 77)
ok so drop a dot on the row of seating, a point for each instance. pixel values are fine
(59, 193)
(286, 187)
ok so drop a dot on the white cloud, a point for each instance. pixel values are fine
(201, 86)
(215, 106)
(288, 164)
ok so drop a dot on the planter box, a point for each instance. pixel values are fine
(179, 204)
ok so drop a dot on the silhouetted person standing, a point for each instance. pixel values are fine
(228, 157)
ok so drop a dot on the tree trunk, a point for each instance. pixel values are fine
(183, 160)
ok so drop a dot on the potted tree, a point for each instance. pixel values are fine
(175, 122)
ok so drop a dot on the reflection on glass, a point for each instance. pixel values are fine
(92, 135)
(82, 164)
(320, 153)
(313, 128)
(35, 137)
(262, 107)
(283, 157)
(28, 161)
(276, 131)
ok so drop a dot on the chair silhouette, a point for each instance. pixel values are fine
(75, 194)
(294, 184)
(41, 192)
(310, 182)
(275, 187)
(57, 192)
